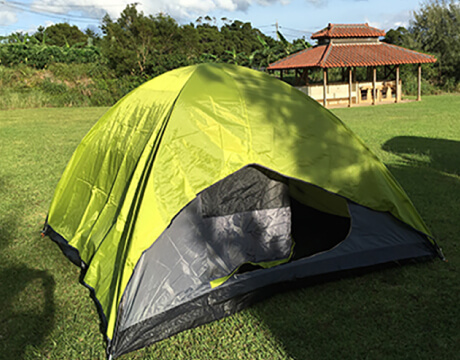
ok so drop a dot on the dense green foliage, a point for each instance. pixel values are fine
(144, 45)
(40, 56)
(60, 43)
(147, 45)
(62, 35)
(408, 312)
(133, 48)
(435, 29)
(136, 47)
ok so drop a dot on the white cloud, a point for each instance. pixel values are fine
(7, 18)
(89, 8)
(391, 21)
(175, 8)
(192, 8)
(228, 5)
(92, 11)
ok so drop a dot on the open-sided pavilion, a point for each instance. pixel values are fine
(350, 46)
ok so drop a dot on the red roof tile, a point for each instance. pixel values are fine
(347, 31)
(344, 55)
(308, 58)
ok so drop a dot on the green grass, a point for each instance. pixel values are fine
(409, 312)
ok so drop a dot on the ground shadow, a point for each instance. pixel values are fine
(26, 294)
(27, 309)
(429, 172)
(436, 154)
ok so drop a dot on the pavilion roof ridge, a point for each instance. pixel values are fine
(357, 43)
(348, 30)
(326, 53)
(348, 24)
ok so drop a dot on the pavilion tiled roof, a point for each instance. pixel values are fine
(347, 31)
(352, 55)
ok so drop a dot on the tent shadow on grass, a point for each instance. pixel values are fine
(397, 311)
(29, 313)
(429, 172)
(26, 295)
(437, 154)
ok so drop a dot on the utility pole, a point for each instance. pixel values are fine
(277, 30)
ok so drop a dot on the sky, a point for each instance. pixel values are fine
(295, 18)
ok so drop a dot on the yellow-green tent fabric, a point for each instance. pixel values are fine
(167, 146)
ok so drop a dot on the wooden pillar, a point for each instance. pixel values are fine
(324, 87)
(281, 74)
(397, 95)
(307, 75)
(374, 90)
(350, 81)
(419, 83)
(296, 82)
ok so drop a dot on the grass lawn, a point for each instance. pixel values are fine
(409, 312)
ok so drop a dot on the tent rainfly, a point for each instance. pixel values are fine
(211, 182)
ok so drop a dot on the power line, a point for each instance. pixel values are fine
(42, 11)
(290, 29)
(297, 30)
(50, 14)
(288, 32)
(71, 5)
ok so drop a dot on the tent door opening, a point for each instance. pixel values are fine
(253, 220)
(315, 231)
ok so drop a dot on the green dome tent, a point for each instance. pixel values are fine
(211, 182)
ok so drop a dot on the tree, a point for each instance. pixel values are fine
(40, 35)
(401, 37)
(19, 37)
(146, 45)
(143, 45)
(64, 34)
(93, 38)
(436, 28)
(210, 40)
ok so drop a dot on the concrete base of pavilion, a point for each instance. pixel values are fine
(354, 94)
(338, 106)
